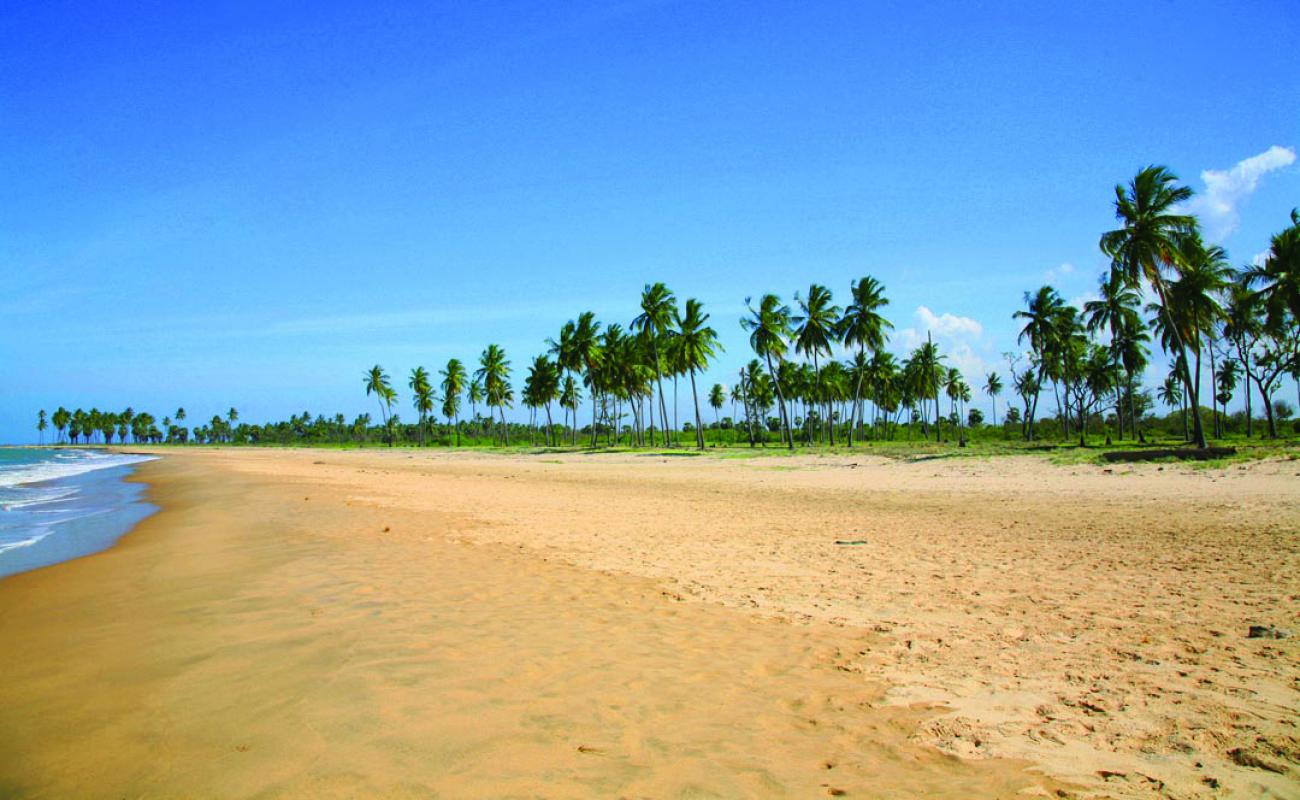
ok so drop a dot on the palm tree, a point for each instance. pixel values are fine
(1280, 274)
(570, 399)
(697, 343)
(586, 348)
(569, 359)
(814, 331)
(993, 388)
(1243, 325)
(453, 383)
(61, 418)
(494, 373)
(926, 375)
(658, 311)
(421, 397)
(475, 395)
(769, 331)
(1042, 314)
(377, 383)
(1117, 310)
(1149, 240)
(544, 386)
(41, 425)
(863, 326)
(717, 399)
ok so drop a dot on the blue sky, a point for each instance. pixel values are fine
(250, 204)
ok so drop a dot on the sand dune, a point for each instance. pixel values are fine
(459, 625)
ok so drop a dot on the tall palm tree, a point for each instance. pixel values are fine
(570, 399)
(565, 352)
(658, 311)
(863, 326)
(586, 347)
(474, 393)
(1149, 241)
(453, 383)
(1243, 324)
(1042, 315)
(377, 383)
(697, 343)
(544, 382)
(993, 388)
(718, 399)
(494, 373)
(421, 397)
(41, 425)
(769, 331)
(1116, 310)
(814, 331)
(927, 376)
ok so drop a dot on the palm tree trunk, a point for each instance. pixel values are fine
(699, 429)
(788, 437)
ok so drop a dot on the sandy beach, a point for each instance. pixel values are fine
(435, 624)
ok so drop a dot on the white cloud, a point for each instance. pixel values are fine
(947, 324)
(1259, 258)
(1226, 189)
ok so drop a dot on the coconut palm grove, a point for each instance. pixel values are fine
(823, 373)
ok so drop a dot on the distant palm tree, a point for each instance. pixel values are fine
(474, 393)
(717, 399)
(658, 309)
(453, 383)
(813, 333)
(1042, 315)
(586, 348)
(993, 387)
(769, 332)
(864, 327)
(377, 383)
(697, 343)
(421, 397)
(494, 373)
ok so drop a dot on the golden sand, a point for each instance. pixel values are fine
(399, 624)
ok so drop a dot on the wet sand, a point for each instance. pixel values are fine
(418, 624)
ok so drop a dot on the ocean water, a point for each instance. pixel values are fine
(57, 505)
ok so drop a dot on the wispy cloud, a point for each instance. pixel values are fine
(1217, 206)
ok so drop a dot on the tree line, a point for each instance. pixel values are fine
(1240, 328)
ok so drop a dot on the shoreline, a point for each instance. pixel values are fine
(458, 528)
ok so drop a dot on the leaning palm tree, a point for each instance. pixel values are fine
(1149, 241)
(814, 331)
(769, 331)
(494, 373)
(658, 310)
(453, 383)
(993, 387)
(697, 343)
(864, 327)
(377, 383)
